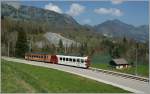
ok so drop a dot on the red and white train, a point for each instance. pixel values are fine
(82, 62)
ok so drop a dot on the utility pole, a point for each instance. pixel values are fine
(66, 48)
(136, 59)
(30, 44)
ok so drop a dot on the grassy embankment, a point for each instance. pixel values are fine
(18, 77)
(102, 61)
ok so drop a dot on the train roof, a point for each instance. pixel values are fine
(72, 56)
(39, 53)
(46, 53)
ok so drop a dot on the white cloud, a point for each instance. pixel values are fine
(76, 9)
(117, 1)
(53, 7)
(112, 11)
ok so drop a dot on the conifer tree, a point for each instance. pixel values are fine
(21, 44)
(60, 46)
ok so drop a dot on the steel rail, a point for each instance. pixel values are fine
(120, 74)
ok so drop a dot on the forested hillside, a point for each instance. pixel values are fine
(36, 22)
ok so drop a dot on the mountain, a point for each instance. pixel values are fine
(29, 13)
(55, 38)
(117, 28)
(44, 28)
(51, 21)
(141, 32)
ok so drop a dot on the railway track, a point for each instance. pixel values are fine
(100, 75)
(120, 74)
(130, 76)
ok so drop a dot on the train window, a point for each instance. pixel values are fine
(63, 59)
(41, 56)
(82, 61)
(44, 56)
(66, 59)
(60, 58)
(70, 59)
(78, 60)
(74, 60)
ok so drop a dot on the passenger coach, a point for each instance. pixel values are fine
(43, 57)
(74, 61)
(83, 62)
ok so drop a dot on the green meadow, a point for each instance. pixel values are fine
(23, 78)
(102, 61)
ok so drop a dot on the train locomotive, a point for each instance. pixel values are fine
(82, 62)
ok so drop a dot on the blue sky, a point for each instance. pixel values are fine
(95, 12)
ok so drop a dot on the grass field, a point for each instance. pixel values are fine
(142, 70)
(101, 61)
(18, 77)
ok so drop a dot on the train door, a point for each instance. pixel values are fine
(77, 63)
(54, 59)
